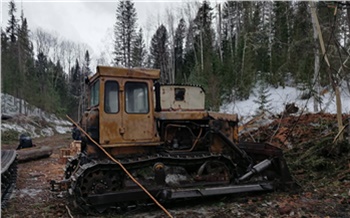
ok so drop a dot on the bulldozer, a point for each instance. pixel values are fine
(167, 141)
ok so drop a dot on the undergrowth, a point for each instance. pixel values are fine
(8, 136)
(319, 159)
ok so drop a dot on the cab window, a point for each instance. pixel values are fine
(180, 94)
(136, 98)
(94, 94)
(111, 97)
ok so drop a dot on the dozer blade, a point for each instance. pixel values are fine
(172, 194)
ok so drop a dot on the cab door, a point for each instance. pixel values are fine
(138, 117)
(110, 112)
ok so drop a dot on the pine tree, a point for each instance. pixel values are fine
(262, 95)
(86, 64)
(208, 67)
(13, 22)
(228, 64)
(260, 38)
(280, 43)
(85, 72)
(231, 27)
(12, 75)
(124, 33)
(160, 52)
(190, 59)
(5, 66)
(205, 35)
(246, 53)
(139, 51)
(179, 54)
(62, 90)
(301, 49)
(37, 79)
(25, 63)
(75, 91)
(41, 76)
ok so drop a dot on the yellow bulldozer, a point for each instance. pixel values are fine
(163, 136)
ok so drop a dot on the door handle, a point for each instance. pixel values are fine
(121, 131)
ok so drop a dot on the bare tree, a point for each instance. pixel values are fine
(170, 21)
(68, 46)
(333, 80)
(106, 55)
(43, 41)
(317, 61)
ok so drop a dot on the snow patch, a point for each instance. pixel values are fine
(47, 132)
(63, 129)
(26, 118)
(11, 126)
(174, 179)
(280, 97)
(30, 192)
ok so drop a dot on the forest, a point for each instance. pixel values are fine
(227, 48)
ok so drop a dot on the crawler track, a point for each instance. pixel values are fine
(100, 184)
(8, 174)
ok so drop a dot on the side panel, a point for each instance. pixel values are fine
(181, 97)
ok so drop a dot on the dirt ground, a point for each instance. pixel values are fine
(323, 193)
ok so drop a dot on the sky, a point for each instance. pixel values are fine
(87, 21)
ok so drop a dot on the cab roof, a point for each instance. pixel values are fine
(140, 73)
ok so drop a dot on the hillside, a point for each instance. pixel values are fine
(19, 117)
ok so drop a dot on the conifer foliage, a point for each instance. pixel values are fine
(36, 78)
(139, 51)
(179, 50)
(160, 53)
(225, 47)
(125, 33)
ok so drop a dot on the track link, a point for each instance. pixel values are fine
(104, 176)
(8, 175)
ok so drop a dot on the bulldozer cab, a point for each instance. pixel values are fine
(122, 101)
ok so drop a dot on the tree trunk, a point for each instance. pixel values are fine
(202, 58)
(34, 153)
(332, 80)
(348, 19)
(219, 32)
(243, 56)
(316, 64)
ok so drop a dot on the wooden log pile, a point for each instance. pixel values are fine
(291, 130)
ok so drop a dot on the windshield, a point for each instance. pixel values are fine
(136, 97)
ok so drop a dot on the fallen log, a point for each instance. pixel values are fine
(34, 153)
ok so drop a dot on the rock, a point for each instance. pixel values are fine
(285, 210)
(291, 108)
